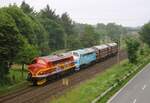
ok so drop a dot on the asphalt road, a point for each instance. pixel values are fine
(136, 90)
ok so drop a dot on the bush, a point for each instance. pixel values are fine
(132, 48)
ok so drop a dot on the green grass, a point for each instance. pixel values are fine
(112, 92)
(16, 81)
(89, 90)
(17, 74)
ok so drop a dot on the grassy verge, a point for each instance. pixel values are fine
(121, 84)
(17, 80)
(89, 90)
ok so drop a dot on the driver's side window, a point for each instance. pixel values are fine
(76, 54)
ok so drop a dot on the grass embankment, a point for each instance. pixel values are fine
(122, 83)
(89, 90)
(15, 80)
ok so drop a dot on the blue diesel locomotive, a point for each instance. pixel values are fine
(84, 57)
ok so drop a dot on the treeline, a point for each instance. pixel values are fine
(106, 33)
(25, 33)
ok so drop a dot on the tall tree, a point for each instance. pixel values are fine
(132, 48)
(52, 24)
(39, 30)
(67, 24)
(26, 8)
(115, 31)
(47, 12)
(101, 29)
(26, 54)
(74, 42)
(41, 36)
(23, 23)
(10, 42)
(29, 26)
(145, 33)
(89, 37)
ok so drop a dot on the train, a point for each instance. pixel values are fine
(42, 68)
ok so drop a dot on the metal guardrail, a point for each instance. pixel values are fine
(115, 85)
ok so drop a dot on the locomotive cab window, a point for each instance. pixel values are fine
(75, 54)
(41, 61)
(34, 61)
(87, 54)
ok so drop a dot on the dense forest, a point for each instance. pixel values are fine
(25, 33)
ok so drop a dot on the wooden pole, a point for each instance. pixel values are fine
(22, 70)
(119, 44)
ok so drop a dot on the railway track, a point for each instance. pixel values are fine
(31, 94)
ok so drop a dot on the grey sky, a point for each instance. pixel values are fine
(125, 12)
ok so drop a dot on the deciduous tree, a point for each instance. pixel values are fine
(132, 48)
(10, 42)
(145, 33)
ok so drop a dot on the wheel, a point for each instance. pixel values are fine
(77, 68)
(34, 83)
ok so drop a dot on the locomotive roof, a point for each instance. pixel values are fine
(112, 44)
(67, 54)
(53, 58)
(88, 50)
(103, 46)
(84, 51)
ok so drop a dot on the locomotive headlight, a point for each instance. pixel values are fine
(40, 73)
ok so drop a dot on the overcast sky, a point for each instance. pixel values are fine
(126, 12)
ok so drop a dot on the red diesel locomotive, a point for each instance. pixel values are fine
(42, 67)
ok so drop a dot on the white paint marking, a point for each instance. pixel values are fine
(134, 101)
(143, 87)
(115, 95)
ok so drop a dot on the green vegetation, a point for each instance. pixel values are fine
(26, 54)
(89, 90)
(89, 37)
(10, 43)
(110, 32)
(17, 75)
(143, 60)
(16, 81)
(25, 33)
(132, 49)
(145, 33)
